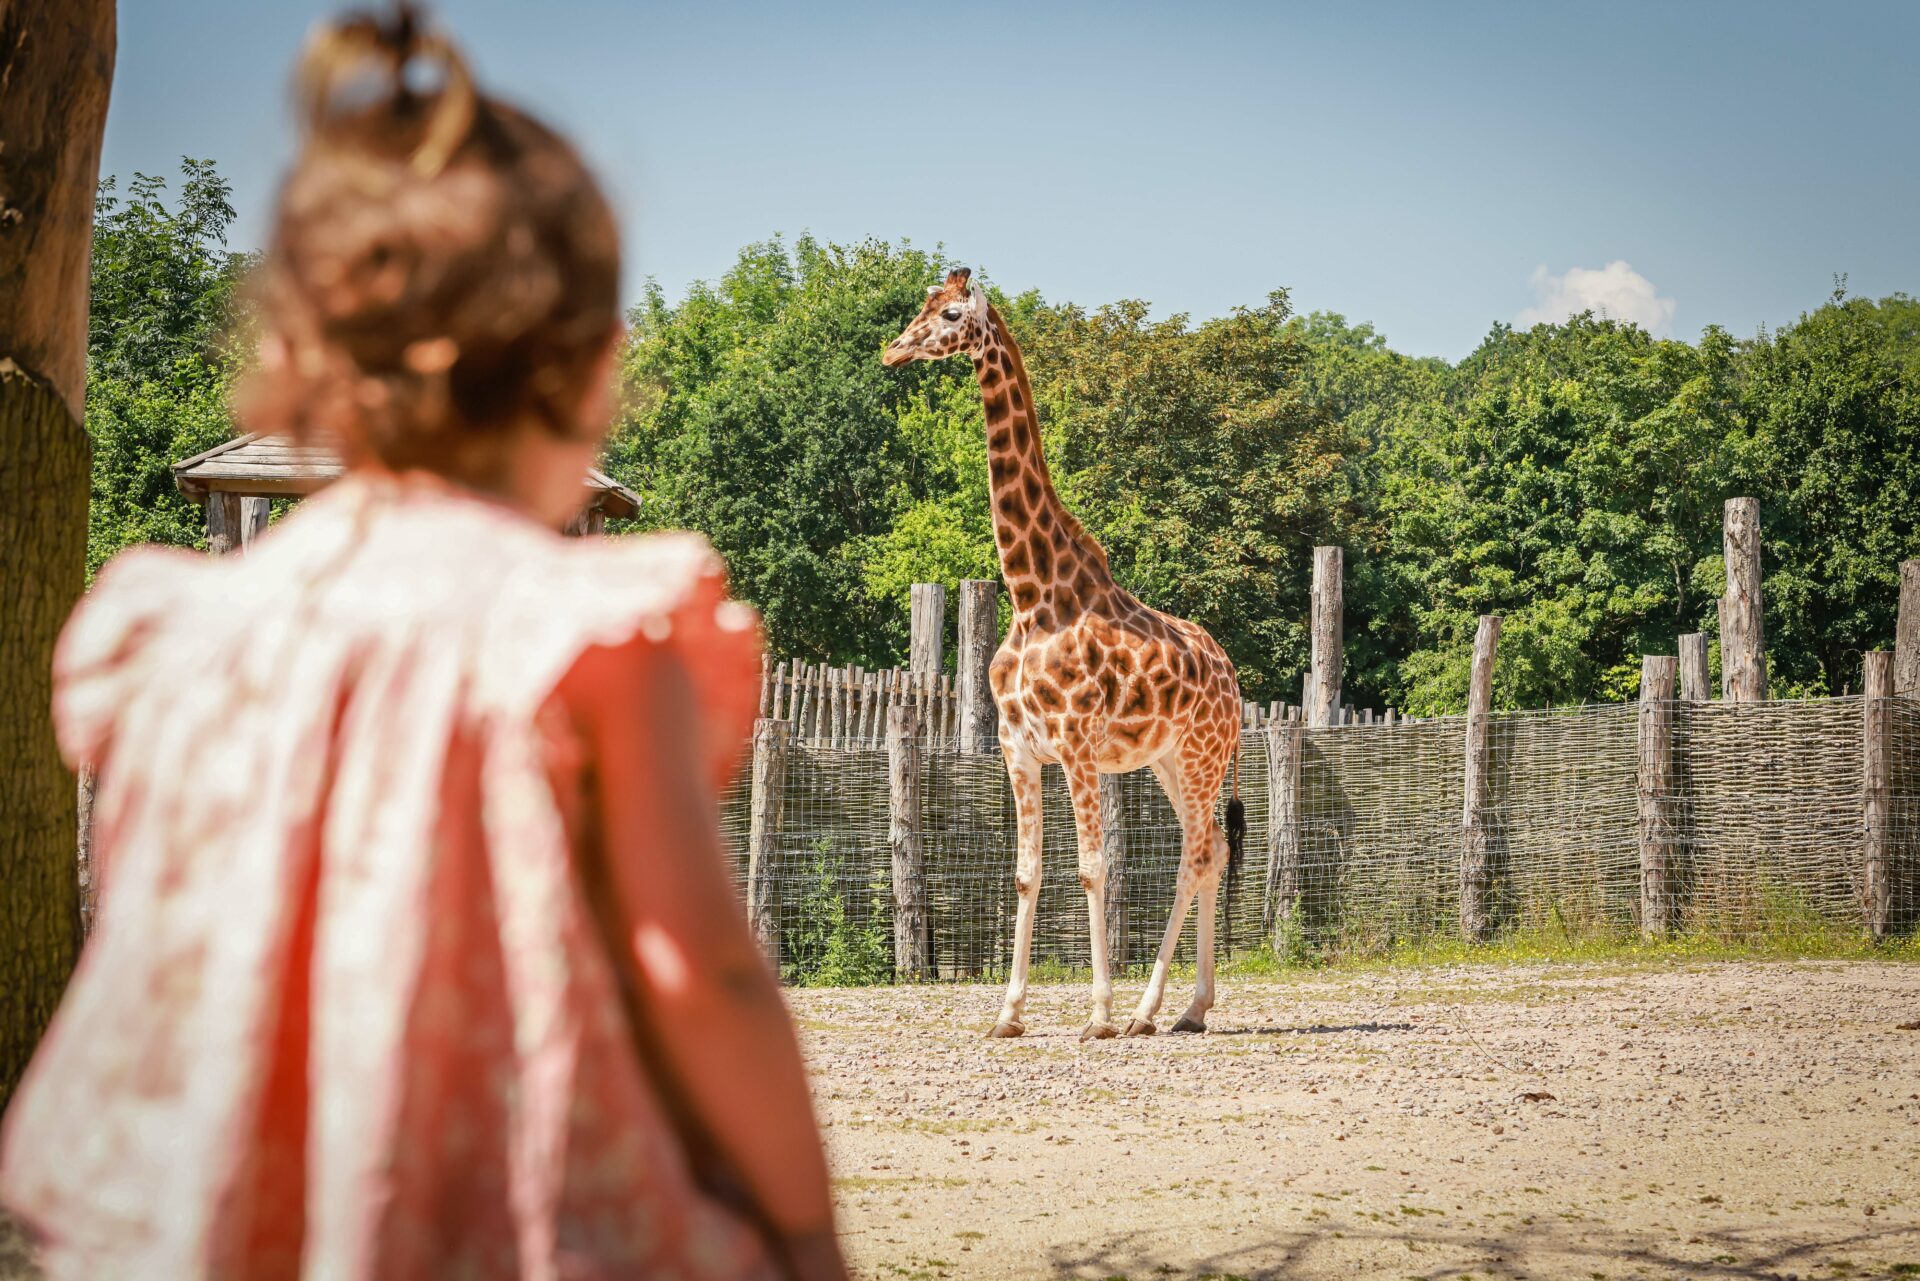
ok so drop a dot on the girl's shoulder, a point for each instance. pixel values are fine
(454, 581)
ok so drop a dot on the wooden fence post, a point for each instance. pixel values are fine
(1743, 641)
(1696, 674)
(927, 618)
(1655, 788)
(1906, 632)
(223, 523)
(1325, 629)
(1476, 868)
(979, 638)
(1113, 845)
(912, 953)
(768, 788)
(1876, 753)
(1284, 887)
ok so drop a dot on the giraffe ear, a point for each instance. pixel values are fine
(979, 299)
(957, 279)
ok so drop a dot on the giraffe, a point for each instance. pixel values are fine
(1088, 678)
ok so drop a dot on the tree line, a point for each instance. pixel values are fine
(1569, 477)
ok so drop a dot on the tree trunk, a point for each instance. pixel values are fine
(1325, 628)
(56, 66)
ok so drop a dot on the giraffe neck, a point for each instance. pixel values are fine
(1053, 567)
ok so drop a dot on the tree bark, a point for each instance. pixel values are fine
(1658, 901)
(1743, 634)
(912, 922)
(769, 785)
(56, 67)
(1113, 842)
(1476, 860)
(1325, 630)
(1876, 772)
(1906, 632)
(927, 619)
(1696, 675)
(979, 638)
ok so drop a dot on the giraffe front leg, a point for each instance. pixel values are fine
(1024, 774)
(1083, 784)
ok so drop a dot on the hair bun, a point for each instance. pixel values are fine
(356, 88)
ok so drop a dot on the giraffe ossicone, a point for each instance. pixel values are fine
(1088, 678)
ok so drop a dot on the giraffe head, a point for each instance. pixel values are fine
(953, 321)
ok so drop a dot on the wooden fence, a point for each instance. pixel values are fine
(876, 798)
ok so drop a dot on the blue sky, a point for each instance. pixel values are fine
(1431, 168)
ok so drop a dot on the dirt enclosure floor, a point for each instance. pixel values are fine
(1590, 1121)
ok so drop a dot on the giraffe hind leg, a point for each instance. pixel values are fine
(1174, 784)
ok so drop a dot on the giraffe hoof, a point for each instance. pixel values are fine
(1099, 1032)
(1189, 1025)
(1003, 1030)
(1140, 1027)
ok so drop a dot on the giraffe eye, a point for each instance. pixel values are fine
(951, 313)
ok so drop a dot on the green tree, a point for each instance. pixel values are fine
(161, 356)
(763, 417)
(1195, 456)
(1832, 410)
(1570, 480)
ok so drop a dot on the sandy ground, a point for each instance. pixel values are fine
(1729, 1120)
(1726, 1120)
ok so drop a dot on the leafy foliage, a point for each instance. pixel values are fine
(158, 368)
(1194, 455)
(1569, 477)
(826, 946)
(763, 418)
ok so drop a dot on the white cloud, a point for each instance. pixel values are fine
(1616, 291)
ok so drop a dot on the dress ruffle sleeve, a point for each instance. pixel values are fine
(112, 644)
(668, 589)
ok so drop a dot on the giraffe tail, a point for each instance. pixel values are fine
(1236, 840)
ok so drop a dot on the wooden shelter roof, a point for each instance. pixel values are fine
(259, 466)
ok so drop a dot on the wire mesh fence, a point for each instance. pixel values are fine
(1354, 840)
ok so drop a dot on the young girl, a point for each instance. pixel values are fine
(417, 955)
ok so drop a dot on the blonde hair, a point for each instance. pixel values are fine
(441, 264)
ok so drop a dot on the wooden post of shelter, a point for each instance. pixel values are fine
(1476, 866)
(1876, 759)
(912, 923)
(1323, 706)
(1696, 674)
(1284, 882)
(223, 524)
(979, 638)
(1655, 791)
(1906, 632)
(768, 785)
(1743, 643)
(927, 618)
(254, 515)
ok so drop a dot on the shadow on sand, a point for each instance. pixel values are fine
(1539, 1250)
